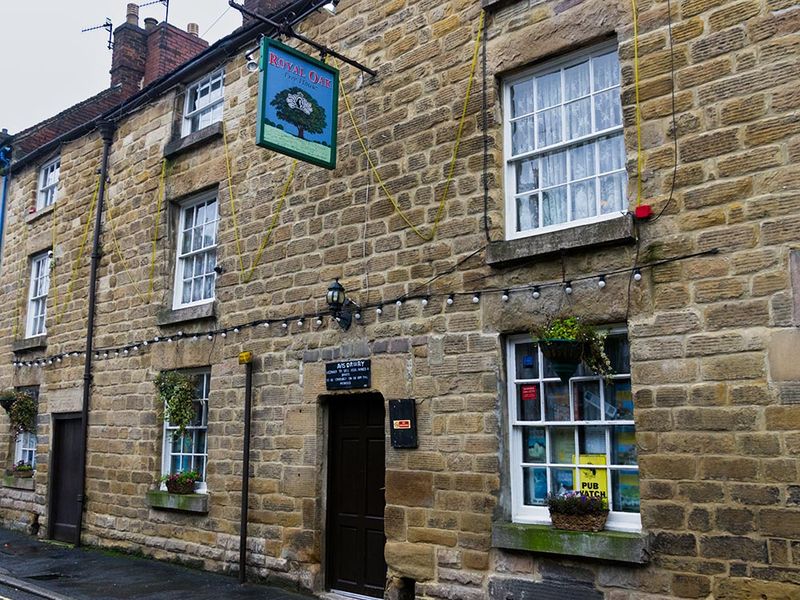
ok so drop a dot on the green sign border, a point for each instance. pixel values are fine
(266, 43)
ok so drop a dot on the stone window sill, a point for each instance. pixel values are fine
(19, 483)
(33, 216)
(181, 145)
(32, 343)
(610, 232)
(193, 503)
(169, 316)
(606, 545)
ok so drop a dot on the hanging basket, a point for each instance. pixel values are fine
(564, 356)
(180, 487)
(593, 522)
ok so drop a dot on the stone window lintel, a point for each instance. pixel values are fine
(614, 546)
(163, 500)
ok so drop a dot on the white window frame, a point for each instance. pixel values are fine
(182, 259)
(204, 385)
(36, 324)
(47, 188)
(522, 513)
(208, 108)
(509, 159)
(26, 441)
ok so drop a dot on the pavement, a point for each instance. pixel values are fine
(29, 566)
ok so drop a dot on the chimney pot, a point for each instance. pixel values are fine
(193, 29)
(133, 14)
(150, 23)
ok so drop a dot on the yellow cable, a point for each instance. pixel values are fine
(52, 273)
(230, 197)
(427, 237)
(157, 219)
(639, 155)
(249, 276)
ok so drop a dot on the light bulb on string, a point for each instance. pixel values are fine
(568, 288)
(105, 354)
(358, 316)
(425, 301)
(476, 298)
(505, 296)
(601, 282)
(319, 321)
(210, 336)
(399, 302)
(299, 322)
(379, 310)
(235, 330)
(450, 300)
(224, 334)
(156, 339)
(637, 274)
(536, 293)
(285, 325)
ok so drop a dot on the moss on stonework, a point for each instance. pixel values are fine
(607, 545)
(196, 503)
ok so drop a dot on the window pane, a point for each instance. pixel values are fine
(527, 212)
(581, 161)
(576, 81)
(583, 201)
(522, 135)
(527, 175)
(612, 153)
(587, 400)
(612, 192)
(554, 169)
(606, 71)
(527, 360)
(533, 445)
(562, 481)
(625, 486)
(623, 446)
(607, 110)
(579, 118)
(562, 445)
(619, 353)
(529, 407)
(592, 443)
(548, 90)
(535, 486)
(556, 396)
(548, 127)
(554, 206)
(619, 400)
(522, 98)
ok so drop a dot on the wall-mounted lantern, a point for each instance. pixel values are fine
(340, 305)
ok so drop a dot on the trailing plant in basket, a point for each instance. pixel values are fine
(176, 392)
(23, 414)
(587, 344)
(23, 469)
(7, 398)
(576, 503)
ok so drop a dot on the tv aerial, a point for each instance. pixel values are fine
(108, 26)
(164, 2)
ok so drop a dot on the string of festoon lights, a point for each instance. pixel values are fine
(318, 320)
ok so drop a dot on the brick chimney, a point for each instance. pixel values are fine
(142, 55)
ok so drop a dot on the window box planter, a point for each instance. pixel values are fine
(163, 500)
(19, 483)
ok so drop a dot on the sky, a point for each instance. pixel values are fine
(48, 65)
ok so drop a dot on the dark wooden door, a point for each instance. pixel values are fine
(356, 474)
(65, 485)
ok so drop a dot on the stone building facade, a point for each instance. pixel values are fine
(702, 304)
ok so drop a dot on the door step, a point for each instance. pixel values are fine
(339, 595)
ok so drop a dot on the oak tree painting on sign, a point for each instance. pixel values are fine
(298, 105)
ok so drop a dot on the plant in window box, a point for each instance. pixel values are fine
(176, 391)
(577, 511)
(22, 414)
(568, 341)
(22, 470)
(181, 482)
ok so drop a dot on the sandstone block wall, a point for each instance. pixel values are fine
(712, 338)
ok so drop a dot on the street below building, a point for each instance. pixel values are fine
(31, 569)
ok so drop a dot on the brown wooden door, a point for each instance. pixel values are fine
(356, 474)
(65, 485)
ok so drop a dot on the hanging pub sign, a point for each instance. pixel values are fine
(298, 105)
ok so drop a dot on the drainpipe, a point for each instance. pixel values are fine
(245, 358)
(5, 164)
(107, 132)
